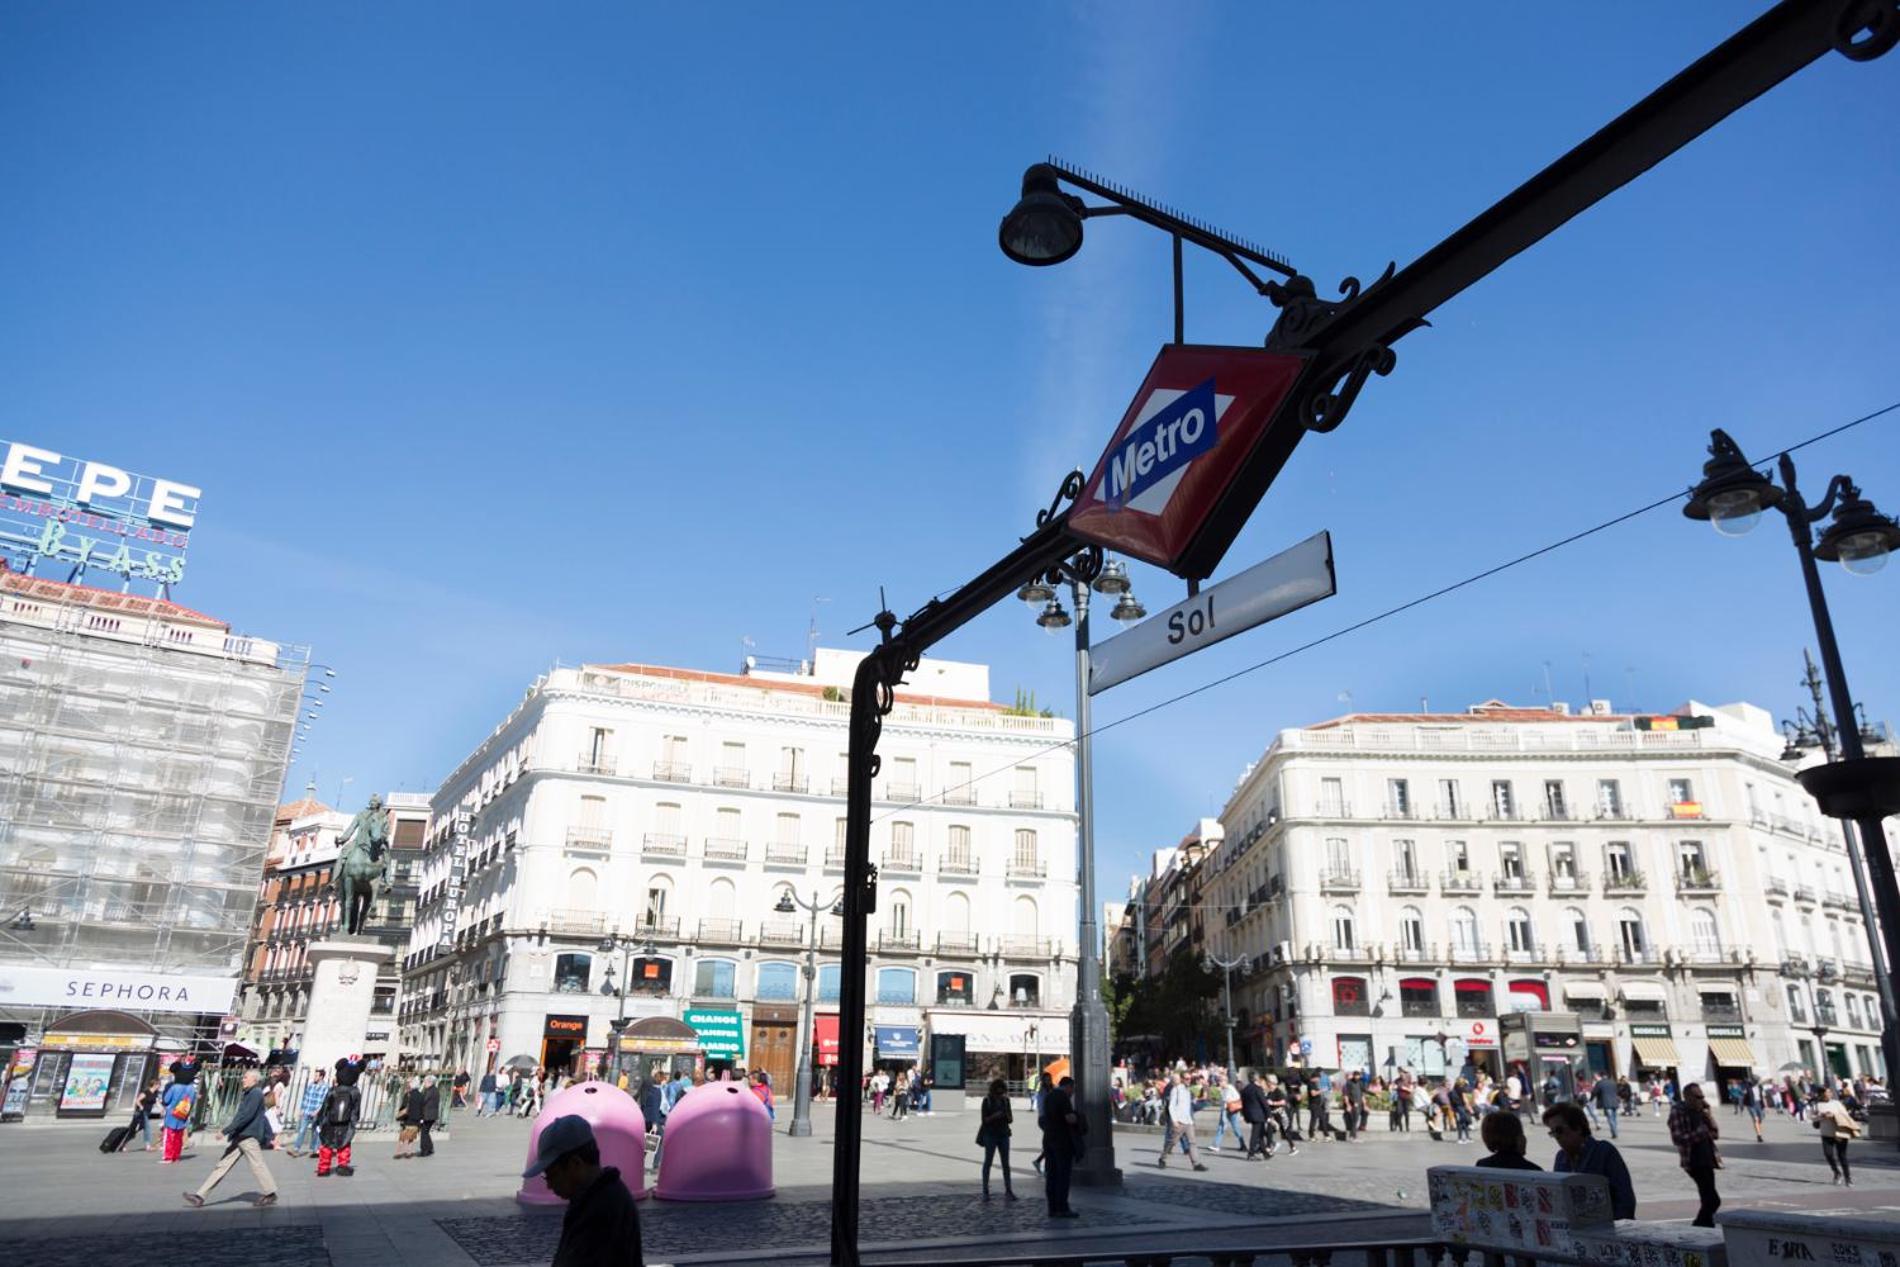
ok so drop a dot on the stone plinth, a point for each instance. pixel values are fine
(1760, 1238)
(342, 991)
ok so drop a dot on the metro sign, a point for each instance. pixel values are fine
(1198, 418)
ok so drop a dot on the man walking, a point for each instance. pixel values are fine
(490, 1099)
(1059, 1128)
(1355, 1097)
(1605, 1095)
(246, 1133)
(1692, 1128)
(431, 1113)
(313, 1096)
(1229, 1119)
(1180, 1123)
(1253, 1107)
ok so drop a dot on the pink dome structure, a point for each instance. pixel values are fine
(718, 1146)
(619, 1129)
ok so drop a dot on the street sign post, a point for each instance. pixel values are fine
(1288, 581)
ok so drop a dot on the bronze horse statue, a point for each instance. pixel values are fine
(362, 865)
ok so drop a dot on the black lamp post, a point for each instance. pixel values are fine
(788, 904)
(1227, 967)
(1859, 788)
(625, 945)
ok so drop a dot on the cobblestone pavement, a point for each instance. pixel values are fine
(272, 1247)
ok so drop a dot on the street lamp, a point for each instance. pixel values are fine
(1088, 1024)
(789, 903)
(625, 944)
(1731, 497)
(1227, 967)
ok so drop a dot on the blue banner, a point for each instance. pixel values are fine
(895, 1042)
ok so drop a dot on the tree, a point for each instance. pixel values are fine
(1175, 1008)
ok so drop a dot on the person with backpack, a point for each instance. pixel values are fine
(179, 1100)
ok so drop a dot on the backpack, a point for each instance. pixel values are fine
(182, 1109)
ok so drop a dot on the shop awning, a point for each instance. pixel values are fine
(1732, 1053)
(896, 1042)
(1584, 990)
(1656, 1053)
(824, 1039)
(1649, 991)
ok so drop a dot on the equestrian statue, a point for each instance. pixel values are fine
(362, 864)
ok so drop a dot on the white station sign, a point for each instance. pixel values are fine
(1285, 583)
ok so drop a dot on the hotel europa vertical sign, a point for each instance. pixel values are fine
(91, 517)
(459, 828)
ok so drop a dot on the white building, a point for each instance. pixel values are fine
(1404, 882)
(672, 808)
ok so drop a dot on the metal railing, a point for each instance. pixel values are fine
(664, 844)
(1025, 800)
(673, 771)
(887, 940)
(903, 792)
(958, 944)
(902, 860)
(725, 849)
(952, 865)
(727, 932)
(960, 796)
(1571, 882)
(775, 932)
(785, 854)
(1466, 882)
(1624, 882)
(1033, 868)
(590, 837)
(783, 782)
(1018, 946)
(1697, 882)
(1339, 880)
(1523, 882)
(834, 855)
(1402, 881)
(590, 764)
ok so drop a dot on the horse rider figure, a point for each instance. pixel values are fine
(362, 864)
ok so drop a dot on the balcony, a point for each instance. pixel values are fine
(1339, 880)
(1804, 893)
(1826, 1016)
(731, 776)
(1404, 881)
(1418, 954)
(1558, 814)
(1721, 1011)
(589, 838)
(1840, 901)
(784, 854)
(903, 792)
(1333, 809)
(830, 937)
(663, 845)
(1478, 952)
(1402, 810)
(721, 932)
(658, 926)
(725, 849)
(960, 796)
(1017, 946)
(782, 782)
(1776, 886)
(1698, 881)
(834, 855)
(957, 944)
(575, 922)
(1634, 956)
(1025, 800)
(950, 864)
(1467, 883)
(1826, 969)
(1027, 869)
(1526, 954)
(1360, 1006)
(1521, 883)
(1624, 882)
(591, 763)
(781, 932)
(1349, 954)
(673, 771)
(899, 943)
(1794, 966)
(903, 860)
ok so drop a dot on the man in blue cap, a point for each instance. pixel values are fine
(602, 1227)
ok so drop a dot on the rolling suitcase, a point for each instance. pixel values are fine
(115, 1139)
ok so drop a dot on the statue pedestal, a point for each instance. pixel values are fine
(341, 993)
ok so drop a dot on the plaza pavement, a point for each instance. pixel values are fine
(69, 1206)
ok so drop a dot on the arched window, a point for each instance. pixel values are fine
(1517, 930)
(900, 916)
(1349, 997)
(1028, 921)
(896, 985)
(572, 972)
(778, 982)
(1345, 935)
(1025, 989)
(1853, 1010)
(582, 885)
(1412, 932)
(1703, 932)
(722, 899)
(1631, 938)
(956, 986)
(956, 913)
(1464, 931)
(714, 979)
(652, 975)
(830, 983)
(1780, 927)
(655, 915)
(1579, 925)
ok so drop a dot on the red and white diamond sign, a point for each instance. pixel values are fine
(1200, 414)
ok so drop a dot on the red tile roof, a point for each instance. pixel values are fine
(301, 809)
(105, 600)
(1489, 711)
(759, 684)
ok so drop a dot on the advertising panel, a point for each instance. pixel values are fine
(23, 986)
(721, 1032)
(87, 1080)
(89, 516)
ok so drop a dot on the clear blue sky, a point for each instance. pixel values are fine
(498, 335)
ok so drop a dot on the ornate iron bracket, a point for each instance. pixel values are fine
(1324, 410)
(1877, 20)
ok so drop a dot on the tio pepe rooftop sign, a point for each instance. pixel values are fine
(92, 515)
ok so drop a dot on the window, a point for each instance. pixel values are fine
(1025, 989)
(1464, 930)
(571, 973)
(651, 976)
(599, 759)
(896, 985)
(1448, 801)
(956, 986)
(1691, 863)
(1853, 1010)
(1338, 856)
(1332, 798)
(790, 830)
(713, 979)
(1555, 807)
(1474, 997)
(1025, 858)
(837, 836)
(1026, 796)
(1579, 929)
(791, 770)
(959, 852)
(956, 912)
(1703, 932)
(1629, 928)
(830, 983)
(1616, 860)
(659, 889)
(1412, 931)
(1458, 854)
(1529, 996)
(778, 982)
(900, 914)
(1511, 860)
(1418, 996)
(1823, 1006)
(904, 840)
(582, 884)
(668, 819)
(1405, 859)
(593, 813)
(1349, 997)
(1517, 930)
(1780, 928)
(1398, 797)
(1343, 932)
(1681, 792)
(1563, 863)
(1502, 804)
(1609, 798)
(673, 752)
(732, 757)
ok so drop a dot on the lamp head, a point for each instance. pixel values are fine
(1035, 592)
(1045, 225)
(1860, 538)
(606, 947)
(784, 906)
(1128, 609)
(1053, 616)
(1732, 493)
(1113, 578)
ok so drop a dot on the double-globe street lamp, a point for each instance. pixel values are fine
(625, 944)
(1858, 788)
(789, 903)
(1226, 968)
(1088, 1023)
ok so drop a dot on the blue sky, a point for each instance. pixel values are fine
(498, 335)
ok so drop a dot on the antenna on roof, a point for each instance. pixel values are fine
(811, 634)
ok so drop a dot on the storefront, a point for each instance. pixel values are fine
(87, 1065)
(652, 1044)
(563, 1037)
(721, 1032)
(1652, 1051)
(1730, 1056)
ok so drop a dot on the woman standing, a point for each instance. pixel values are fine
(1694, 1131)
(1837, 1127)
(1461, 1110)
(993, 1134)
(900, 1096)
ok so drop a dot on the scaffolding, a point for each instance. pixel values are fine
(142, 751)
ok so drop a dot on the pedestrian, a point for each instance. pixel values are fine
(1626, 1096)
(1461, 1110)
(763, 1090)
(1319, 1109)
(1581, 1153)
(1355, 1104)
(142, 1114)
(900, 1095)
(602, 1224)
(1061, 1134)
(1605, 1094)
(180, 1098)
(431, 1114)
(409, 1118)
(276, 1091)
(1399, 1112)
(1280, 1120)
(1439, 1116)
(1751, 1099)
(1253, 1109)
(246, 1132)
(1694, 1131)
(1180, 1121)
(926, 1083)
(878, 1082)
(458, 1095)
(1503, 1134)
(1229, 1117)
(487, 1095)
(992, 1134)
(337, 1120)
(307, 1113)
(1838, 1128)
